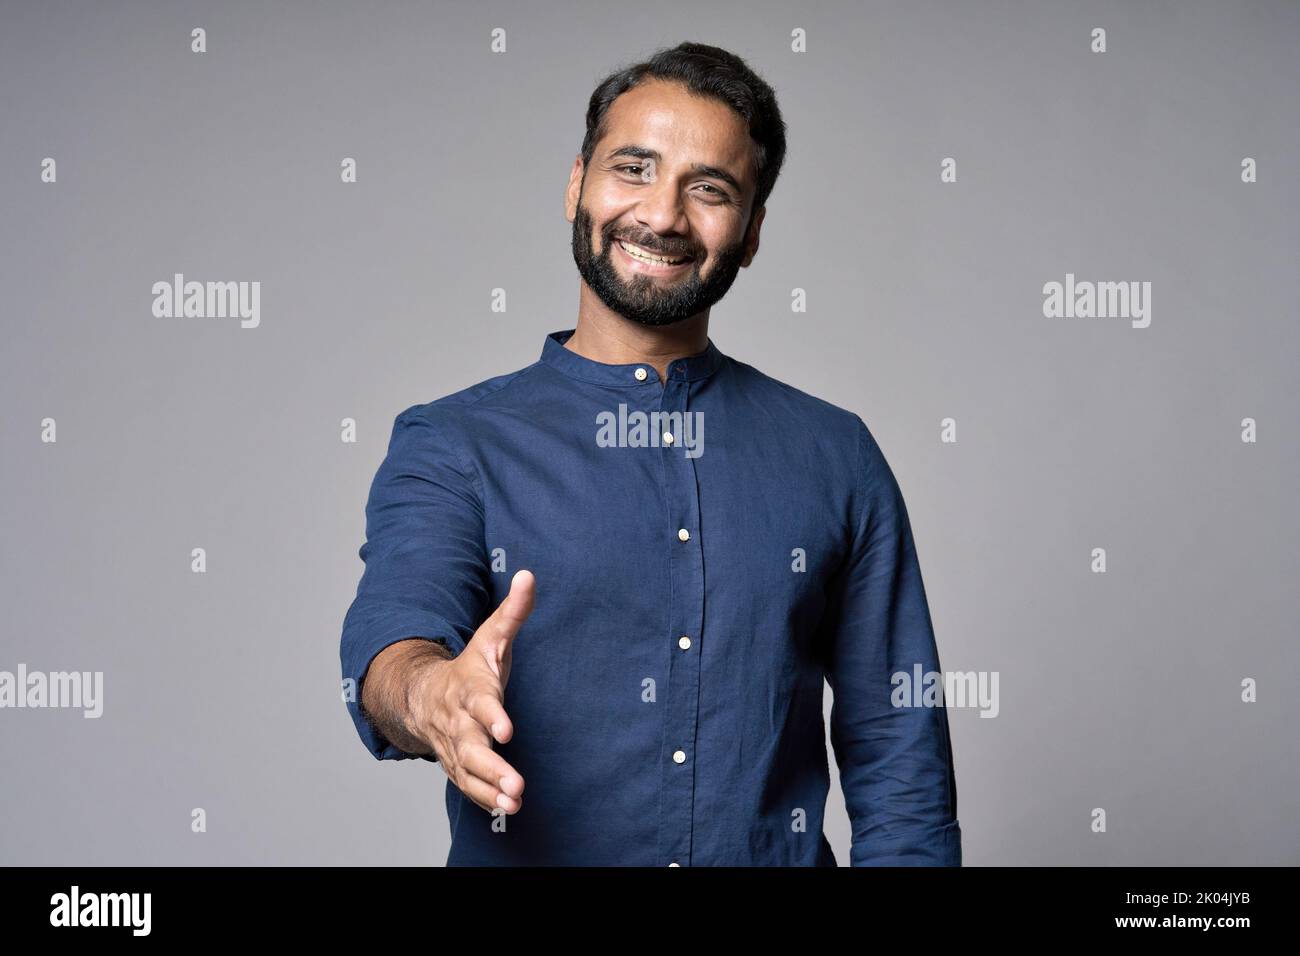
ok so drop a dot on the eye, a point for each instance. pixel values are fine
(714, 191)
(716, 196)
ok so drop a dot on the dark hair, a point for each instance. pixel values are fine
(709, 71)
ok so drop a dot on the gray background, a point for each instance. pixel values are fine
(222, 689)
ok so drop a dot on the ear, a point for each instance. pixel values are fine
(751, 238)
(574, 190)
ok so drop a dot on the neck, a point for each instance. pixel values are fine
(605, 336)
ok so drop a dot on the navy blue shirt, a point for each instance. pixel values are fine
(707, 550)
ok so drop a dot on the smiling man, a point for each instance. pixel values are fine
(617, 646)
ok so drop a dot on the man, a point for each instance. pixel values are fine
(649, 690)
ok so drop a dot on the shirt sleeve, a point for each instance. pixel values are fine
(426, 566)
(895, 762)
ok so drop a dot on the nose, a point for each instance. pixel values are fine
(660, 209)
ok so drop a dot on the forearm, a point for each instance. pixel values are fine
(386, 690)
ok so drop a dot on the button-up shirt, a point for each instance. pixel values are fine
(708, 550)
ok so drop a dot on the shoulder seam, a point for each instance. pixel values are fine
(507, 383)
(796, 389)
(419, 411)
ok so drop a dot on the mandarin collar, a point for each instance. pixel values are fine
(693, 368)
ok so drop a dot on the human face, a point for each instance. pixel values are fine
(673, 177)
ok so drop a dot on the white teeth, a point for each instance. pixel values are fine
(639, 253)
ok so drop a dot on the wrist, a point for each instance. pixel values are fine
(423, 678)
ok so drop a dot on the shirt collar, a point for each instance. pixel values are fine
(690, 369)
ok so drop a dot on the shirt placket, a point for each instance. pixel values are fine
(686, 619)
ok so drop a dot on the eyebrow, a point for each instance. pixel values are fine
(700, 169)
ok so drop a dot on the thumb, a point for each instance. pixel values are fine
(504, 623)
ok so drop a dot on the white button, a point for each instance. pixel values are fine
(668, 438)
(683, 534)
(674, 863)
(683, 642)
(640, 374)
(679, 756)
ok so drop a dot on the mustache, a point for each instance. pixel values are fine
(653, 245)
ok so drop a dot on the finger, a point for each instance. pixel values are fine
(471, 753)
(485, 795)
(486, 708)
(489, 767)
(505, 621)
(476, 775)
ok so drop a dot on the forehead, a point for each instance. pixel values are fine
(683, 126)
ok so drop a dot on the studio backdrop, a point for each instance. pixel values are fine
(1047, 252)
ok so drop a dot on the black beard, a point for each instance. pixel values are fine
(642, 300)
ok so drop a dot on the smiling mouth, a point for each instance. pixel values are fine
(651, 258)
